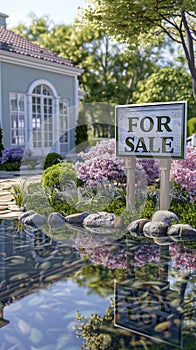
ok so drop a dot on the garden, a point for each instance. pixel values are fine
(97, 182)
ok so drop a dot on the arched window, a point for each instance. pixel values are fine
(48, 122)
(42, 112)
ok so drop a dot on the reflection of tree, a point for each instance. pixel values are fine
(99, 334)
(98, 279)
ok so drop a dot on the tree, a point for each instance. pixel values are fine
(191, 124)
(111, 73)
(136, 21)
(167, 84)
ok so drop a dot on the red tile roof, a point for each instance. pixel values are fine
(12, 42)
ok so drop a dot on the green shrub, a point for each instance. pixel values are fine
(149, 206)
(64, 208)
(18, 193)
(182, 207)
(51, 159)
(185, 212)
(58, 176)
(36, 199)
(118, 204)
(9, 166)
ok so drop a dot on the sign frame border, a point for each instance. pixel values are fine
(183, 130)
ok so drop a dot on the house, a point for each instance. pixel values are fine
(39, 96)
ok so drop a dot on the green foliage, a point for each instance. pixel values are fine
(148, 210)
(165, 85)
(51, 159)
(145, 21)
(191, 126)
(118, 204)
(110, 71)
(185, 212)
(18, 191)
(127, 20)
(63, 207)
(127, 216)
(36, 199)
(10, 166)
(149, 207)
(58, 176)
(182, 207)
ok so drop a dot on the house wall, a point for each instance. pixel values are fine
(15, 78)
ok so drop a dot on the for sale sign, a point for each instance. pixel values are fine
(151, 130)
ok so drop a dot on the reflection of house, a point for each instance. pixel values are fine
(38, 95)
(22, 261)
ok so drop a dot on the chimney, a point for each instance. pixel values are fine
(3, 17)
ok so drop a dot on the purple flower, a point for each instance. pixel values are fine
(12, 155)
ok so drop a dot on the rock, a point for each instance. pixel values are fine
(26, 167)
(26, 214)
(34, 221)
(76, 218)
(100, 219)
(165, 240)
(182, 231)
(136, 227)
(38, 166)
(165, 216)
(56, 220)
(155, 229)
(118, 222)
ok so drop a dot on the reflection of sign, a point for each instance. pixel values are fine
(151, 130)
(148, 311)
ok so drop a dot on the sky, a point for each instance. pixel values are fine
(59, 11)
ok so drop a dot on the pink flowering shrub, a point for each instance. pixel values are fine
(184, 172)
(182, 257)
(100, 164)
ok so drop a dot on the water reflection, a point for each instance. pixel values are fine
(29, 262)
(154, 297)
(150, 308)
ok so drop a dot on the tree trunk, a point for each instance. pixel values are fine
(188, 46)
(194, 87)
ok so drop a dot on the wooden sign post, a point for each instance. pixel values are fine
(130, 166)
(165, 166)
(151, 131)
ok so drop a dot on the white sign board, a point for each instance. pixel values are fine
(151, 130)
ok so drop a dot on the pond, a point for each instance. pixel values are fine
(92, 293)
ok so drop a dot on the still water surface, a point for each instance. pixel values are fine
(86, 291)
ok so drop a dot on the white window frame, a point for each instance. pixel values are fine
(63, 121)
(17, 113)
